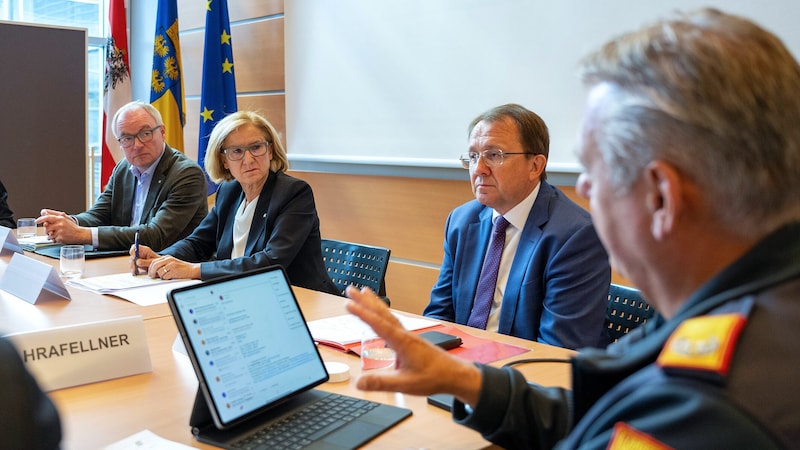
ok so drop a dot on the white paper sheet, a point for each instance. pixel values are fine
(151, 295)
(347, 328)
(145, 440)
(139, 289)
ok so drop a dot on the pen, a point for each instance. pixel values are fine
(136, 253)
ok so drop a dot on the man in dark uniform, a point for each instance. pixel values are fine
(691, 152)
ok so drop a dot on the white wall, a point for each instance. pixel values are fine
(397, 81)
(391, 85)
(142, 30)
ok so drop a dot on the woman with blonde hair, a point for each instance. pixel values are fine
(261, 216)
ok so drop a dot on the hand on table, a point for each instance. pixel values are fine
(61, 228)
(164, 267)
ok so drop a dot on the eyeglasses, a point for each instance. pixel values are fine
(144, 136)
(237, 153)
(492, 157)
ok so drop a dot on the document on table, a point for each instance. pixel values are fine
(343, 331)
(32, 243)
(145, 440)
(139, 289)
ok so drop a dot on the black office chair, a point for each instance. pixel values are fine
(626, 311)
(357, 264)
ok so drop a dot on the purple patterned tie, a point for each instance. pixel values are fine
(484, 296)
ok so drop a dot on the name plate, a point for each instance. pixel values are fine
(86, 353)
(8, 241)
(27, 279)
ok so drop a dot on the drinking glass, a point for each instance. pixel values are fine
(72, 261)
(26, 228)
(374, 352)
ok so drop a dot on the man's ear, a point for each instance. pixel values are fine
(537, 163)
(664, 197)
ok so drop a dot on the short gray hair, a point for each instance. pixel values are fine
(716, 96)
(132, 106)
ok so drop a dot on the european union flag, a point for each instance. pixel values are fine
(218, 94)
(166, 82)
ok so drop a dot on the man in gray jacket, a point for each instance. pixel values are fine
(155, 190)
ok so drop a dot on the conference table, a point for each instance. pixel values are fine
(99, 414)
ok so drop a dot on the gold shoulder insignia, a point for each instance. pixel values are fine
(625, 437)
(703, 343)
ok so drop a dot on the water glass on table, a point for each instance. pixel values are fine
(374, 352)
(72, 261)
(26, 228)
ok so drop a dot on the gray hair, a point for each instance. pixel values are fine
(716, 96)
(133, 106)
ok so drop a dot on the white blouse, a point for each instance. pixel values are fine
(241, 226)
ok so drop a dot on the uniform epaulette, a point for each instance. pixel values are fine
(702, 344)
(625, 437)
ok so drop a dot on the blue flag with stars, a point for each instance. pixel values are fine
(218, 94)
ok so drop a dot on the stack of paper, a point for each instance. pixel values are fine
(32, 243)
(139, 289)
(342, 332)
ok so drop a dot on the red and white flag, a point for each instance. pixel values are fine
(117, 86)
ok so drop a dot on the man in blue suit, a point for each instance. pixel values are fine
(554, 274)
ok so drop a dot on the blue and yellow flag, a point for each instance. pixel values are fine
(218, 95)
(166, 82)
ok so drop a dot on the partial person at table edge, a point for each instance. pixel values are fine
(691, 151)
(262, 216)
(28, 418)
(6, 215)
(551, 281)
(155, 190)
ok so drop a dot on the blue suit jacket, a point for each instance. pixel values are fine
(285, 231)
(557, 289)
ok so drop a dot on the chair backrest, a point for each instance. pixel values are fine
(626, 311)
(358, 264)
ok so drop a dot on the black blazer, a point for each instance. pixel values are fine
(285, 231)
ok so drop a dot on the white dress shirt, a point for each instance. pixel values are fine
(516, 218)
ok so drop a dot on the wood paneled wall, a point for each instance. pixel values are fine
(406, 215)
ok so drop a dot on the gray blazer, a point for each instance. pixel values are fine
(175, 205)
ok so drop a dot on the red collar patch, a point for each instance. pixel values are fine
(703, 343)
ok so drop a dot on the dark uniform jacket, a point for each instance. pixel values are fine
(720, 374)
(285, 231)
